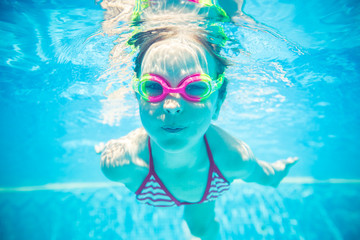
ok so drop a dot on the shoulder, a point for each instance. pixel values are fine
(232, 156)
(125, 157)
(126, 149)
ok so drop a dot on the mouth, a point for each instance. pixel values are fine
(173, 129)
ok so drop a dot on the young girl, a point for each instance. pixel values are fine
(179, 157)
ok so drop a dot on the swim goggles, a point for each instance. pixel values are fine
(194, 88)
(141, 5)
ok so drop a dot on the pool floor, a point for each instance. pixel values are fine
(247, 211)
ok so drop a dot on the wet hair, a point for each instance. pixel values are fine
(145, 39)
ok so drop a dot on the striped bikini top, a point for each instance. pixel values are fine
(153, 192)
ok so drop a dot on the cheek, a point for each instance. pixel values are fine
(209, 106)
(149, 114)
(145, 109)
(204, 111)
(200, 118)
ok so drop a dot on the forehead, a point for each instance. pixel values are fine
(175, 59)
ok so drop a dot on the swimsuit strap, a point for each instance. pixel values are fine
(213, 166)
(209, 152)
(151, 164)
(157, 179)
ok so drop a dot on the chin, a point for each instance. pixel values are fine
(173, 144)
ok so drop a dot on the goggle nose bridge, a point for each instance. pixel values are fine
(174, 90)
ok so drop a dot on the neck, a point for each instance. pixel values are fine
(188, 158)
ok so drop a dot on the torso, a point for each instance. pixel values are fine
(195, 182)
(194, 179)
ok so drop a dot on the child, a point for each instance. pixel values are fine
(179, 157)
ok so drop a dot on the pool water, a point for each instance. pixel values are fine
(247, 211)
(293, 91)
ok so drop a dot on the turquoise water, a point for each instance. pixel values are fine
(247, 211)
(294, 91)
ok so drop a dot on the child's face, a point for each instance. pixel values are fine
(175, 123)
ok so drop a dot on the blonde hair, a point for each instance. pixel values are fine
(145, 39)
(156, 25)
(132, 38)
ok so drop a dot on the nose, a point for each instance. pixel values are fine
(172, 105)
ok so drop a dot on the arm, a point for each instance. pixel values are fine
(238, 162)
(270, 173)
(122, 158)
(114, 162)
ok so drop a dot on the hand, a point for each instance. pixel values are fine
(282, 168)
(113, 153)
(99, 147)
(285, 164)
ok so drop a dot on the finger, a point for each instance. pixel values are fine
(291, 161)
(99, 147)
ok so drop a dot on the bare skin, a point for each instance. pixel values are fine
(126, 160)
(181, 160)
